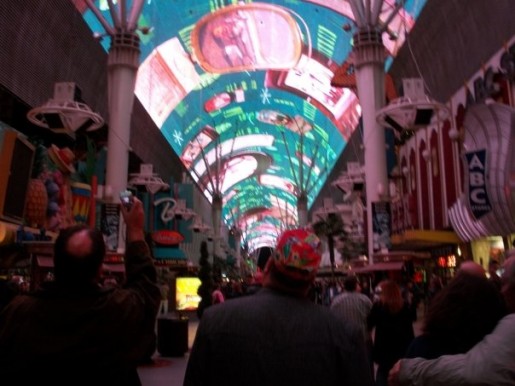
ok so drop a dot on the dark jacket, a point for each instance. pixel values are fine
(271, 339)
(91, 336)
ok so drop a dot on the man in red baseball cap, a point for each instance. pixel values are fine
(278, 336)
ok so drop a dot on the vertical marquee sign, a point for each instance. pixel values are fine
(477, 195)
(110, 225)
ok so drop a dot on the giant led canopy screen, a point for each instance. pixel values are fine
(241, 90)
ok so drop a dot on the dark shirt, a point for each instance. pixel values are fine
(87, 336)
(274, 339)
(393, 333)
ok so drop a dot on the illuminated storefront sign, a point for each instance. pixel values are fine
(447, 261)
(167, 237)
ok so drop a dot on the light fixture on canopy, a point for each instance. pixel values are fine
(65, 112)
(147, 178)
(181, 212)
(351, 182)
(198, 226)
(414, 110)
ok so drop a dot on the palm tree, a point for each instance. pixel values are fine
(330, 228)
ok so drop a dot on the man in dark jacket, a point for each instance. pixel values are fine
(73, 331)
(277, 336)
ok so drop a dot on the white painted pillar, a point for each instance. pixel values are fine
(122, 65)
(123, 62)
(369, 63)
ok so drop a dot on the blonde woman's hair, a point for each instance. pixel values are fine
(391, 296)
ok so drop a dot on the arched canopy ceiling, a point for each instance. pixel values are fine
(242, 92)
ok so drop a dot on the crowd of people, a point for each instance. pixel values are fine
(477, 349)
(463, 317)
(74, 327)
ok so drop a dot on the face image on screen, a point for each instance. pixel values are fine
(186, 297)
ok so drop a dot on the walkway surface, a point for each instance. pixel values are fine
(169, 371)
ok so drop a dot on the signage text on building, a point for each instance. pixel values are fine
(478, 200)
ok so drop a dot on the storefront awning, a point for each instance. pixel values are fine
(114, 267)
(400, 255)
(424, 238)
(45, 262)
(383, 266)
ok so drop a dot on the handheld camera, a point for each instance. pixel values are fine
(127, 199)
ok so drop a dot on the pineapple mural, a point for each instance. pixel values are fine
(58, 187)
(37, 196)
